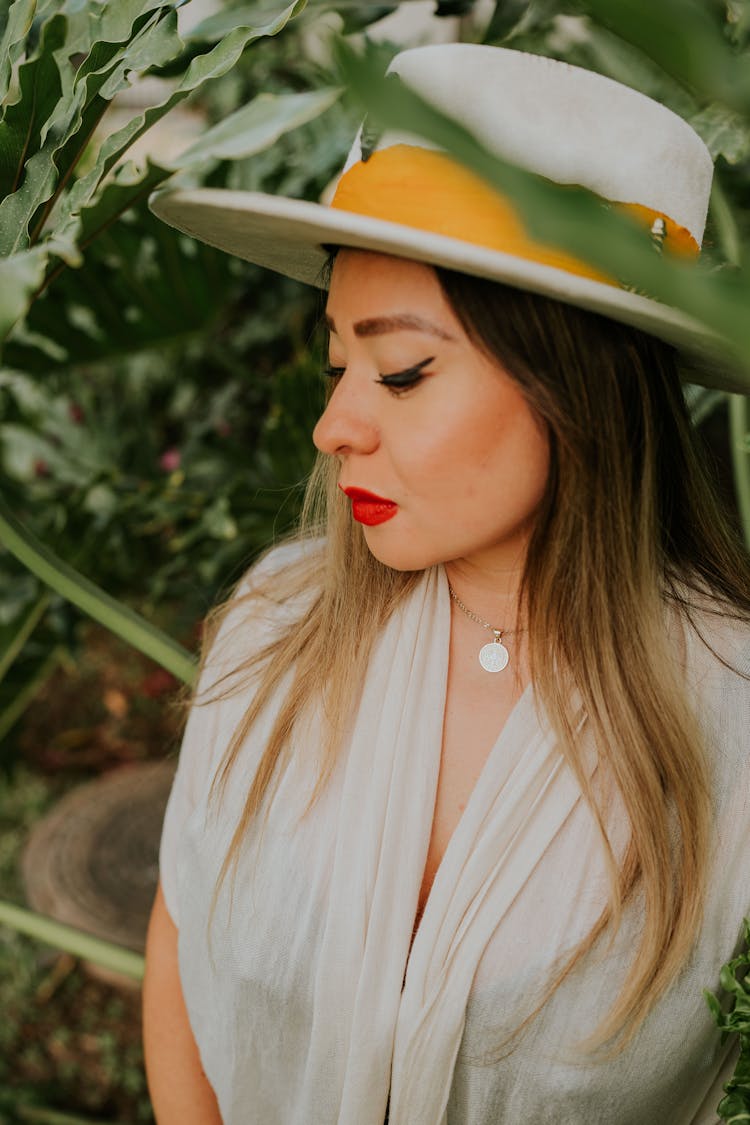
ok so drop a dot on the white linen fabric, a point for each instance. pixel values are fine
(310, 1005)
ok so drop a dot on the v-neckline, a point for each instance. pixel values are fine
(454, 840)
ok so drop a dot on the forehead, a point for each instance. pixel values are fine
(368, 286)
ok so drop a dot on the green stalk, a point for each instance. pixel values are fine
(28, 625)
(739, 440)
(118, 618)
(70, 940)
(12, 713)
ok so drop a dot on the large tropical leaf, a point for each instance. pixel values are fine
(686, 38)
(18, 22)
(44, 134)
(204, 67)
(143, 285)
(22, 277)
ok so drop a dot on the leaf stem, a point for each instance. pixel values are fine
(739, 435)
(27, 627)
(118, 618)
(68, 939)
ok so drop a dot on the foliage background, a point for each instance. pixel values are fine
(155, 409)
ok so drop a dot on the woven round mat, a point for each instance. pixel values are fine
(93, 860)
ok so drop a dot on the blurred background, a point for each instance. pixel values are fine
(156, 403)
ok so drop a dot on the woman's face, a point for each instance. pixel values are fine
(436, 432)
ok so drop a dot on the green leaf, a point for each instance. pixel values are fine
(256, 126)
(506, 17)
(703, 401)
(739, 442)
(34, 680)
(25, 173)
(129, 186)
(219, 24)
(63, 124)
(686, 38)
(120, 619)
(735, 1107)
(143, 287)
(20, 276)
(114, 23)
(725, 224)
(249, 131)
(23, 121)
(725, 132)
(17, 27)
(212, 64)
(21, 633)
(104, 73)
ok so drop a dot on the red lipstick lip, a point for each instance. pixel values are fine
(367, 497)
(368, 508)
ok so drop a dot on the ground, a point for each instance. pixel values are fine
(70, 1045)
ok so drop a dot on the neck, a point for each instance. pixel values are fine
(490, 592)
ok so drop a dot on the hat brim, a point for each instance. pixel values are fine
(289, 236)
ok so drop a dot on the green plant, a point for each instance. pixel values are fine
(61, 196)
(735, 983)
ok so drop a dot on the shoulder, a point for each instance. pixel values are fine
(283, 560)
(717, 644)
(717, 647)
(272, 595)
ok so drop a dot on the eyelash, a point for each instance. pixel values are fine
(398, 382)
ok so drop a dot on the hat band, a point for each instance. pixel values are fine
(427, 190)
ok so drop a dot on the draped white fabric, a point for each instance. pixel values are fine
(309, 1007)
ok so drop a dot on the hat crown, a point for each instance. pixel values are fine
(565, 123)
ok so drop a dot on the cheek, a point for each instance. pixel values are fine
(491, 461)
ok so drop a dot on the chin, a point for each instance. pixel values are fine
(398, 554)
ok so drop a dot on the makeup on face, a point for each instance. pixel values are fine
(420, 412)
(369, 509)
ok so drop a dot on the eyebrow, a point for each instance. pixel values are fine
(402, 322)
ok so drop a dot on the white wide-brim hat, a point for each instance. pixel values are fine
(399, 195)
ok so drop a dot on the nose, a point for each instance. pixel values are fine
(346, 425)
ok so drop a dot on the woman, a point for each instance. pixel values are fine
(458, 828)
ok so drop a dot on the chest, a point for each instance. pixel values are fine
(477, 708)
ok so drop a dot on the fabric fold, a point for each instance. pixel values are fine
(312, 1006)
(382, 836)
(385, 1016)
(514, 813)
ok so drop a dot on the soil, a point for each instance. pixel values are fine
(71, 1044)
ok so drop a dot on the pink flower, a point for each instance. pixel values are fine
(170, 460)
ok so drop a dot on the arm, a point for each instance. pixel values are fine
(180, 1091)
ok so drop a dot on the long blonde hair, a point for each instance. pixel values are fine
(629, 526)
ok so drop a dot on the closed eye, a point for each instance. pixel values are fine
(401, 380)
(397, 380)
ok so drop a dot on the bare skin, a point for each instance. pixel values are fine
(470, 706)
(180, 1092)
